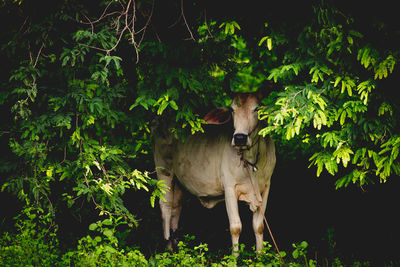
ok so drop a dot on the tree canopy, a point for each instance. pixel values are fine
(82, 82)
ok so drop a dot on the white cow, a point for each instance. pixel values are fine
(211, 166)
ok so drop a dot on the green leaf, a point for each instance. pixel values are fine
(92, 226)
(343, 117)
(262, 40)
(350, 40)
(64, 175)
(49, 171)
(295, 254)
(269, 44)
(162, 107)
(65, 61)
(303, 245)
(331, 166)
(173, 105)
(108, 233)
(107, 222)
(356, 33)
(337, 80)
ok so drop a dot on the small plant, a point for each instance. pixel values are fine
(300, 253)
(103, 249)
(33, 244)
(270, 258)
(185, 256)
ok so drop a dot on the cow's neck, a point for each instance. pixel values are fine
(252, 154)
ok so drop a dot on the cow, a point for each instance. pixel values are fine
(223, 163)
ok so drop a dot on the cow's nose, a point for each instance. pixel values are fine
(240, 139)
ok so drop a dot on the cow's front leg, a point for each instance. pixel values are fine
(235, 225)
(258, 220)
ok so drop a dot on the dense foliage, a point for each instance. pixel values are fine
(335, 100)
(83, 84)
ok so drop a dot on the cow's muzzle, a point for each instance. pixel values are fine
(240, 140)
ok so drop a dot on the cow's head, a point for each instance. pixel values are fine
(243, 110)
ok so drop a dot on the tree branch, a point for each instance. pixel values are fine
(124, 20)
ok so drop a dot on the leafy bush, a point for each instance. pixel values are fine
(33, 244)
(103, 249)
(94, 252)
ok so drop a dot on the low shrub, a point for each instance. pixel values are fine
(33, 244)
(103, 249)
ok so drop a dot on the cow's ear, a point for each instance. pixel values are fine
(218, 116)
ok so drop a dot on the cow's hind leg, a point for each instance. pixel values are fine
(258, 220)
(171, 207)
(166, 204)
(175, 211)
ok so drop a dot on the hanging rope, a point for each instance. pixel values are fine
(246, 166)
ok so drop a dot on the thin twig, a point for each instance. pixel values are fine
(51, 204)
(155, 32)
(30, 52)
(147, 23)
(89, 22)
(176, 22)
(118, 41)
(205, 21)
(65, 155)
(123, 21)
(88, 186)
(105, 173)
(127, 12)
(126, 27)
(103, 15)
(94, 47)
(133, 21)
(23, 24)
(39, 52)
(187, 26)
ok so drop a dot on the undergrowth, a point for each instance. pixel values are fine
(35, 244)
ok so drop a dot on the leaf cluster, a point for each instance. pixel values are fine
(334, 98)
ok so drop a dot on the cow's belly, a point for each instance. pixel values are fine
(200, 177)
(197, 165)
